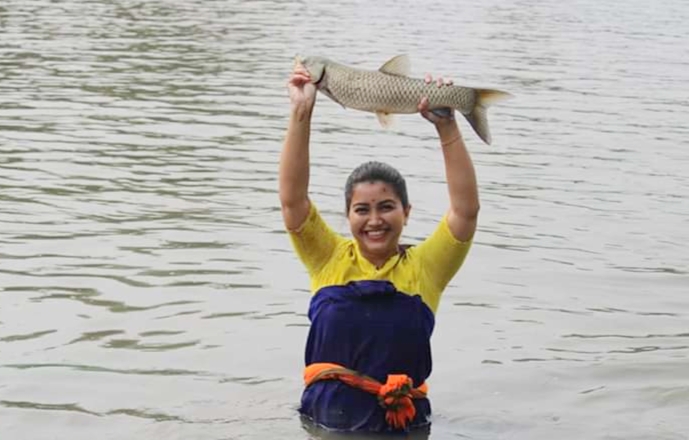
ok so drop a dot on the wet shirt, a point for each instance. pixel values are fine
(377, 321)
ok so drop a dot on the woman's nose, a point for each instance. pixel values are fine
(375, 218)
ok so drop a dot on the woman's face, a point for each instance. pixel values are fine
(376, 218)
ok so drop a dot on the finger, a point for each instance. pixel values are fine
(302, 75)
(449, 82)
(428, 78)
(299, 80)
(439, 81)
(296, 79)
(429, 116)
(423, 109)
(299, 68)
(423, 104)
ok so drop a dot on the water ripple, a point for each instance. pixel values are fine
(146, 274)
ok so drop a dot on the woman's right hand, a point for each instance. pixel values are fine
(302, 92)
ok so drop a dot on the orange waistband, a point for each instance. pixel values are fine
(395, 395)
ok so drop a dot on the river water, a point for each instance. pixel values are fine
(147, 289)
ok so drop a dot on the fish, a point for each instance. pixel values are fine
(390, 90)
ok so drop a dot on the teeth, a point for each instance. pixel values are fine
(376, 234)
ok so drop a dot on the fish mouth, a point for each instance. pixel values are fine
(308, 64)
(298, 59)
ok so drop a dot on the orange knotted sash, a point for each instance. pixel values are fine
(395, 395)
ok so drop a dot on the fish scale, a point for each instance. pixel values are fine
(389, 90)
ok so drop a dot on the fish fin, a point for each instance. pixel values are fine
(399, 65)
(386, 119)
(478, 117)
(488, 97)
(479, 122)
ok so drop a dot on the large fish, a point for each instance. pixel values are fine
(391, 90)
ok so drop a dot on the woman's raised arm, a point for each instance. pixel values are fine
(294, 160)
(459, 170)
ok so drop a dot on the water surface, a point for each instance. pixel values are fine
(147, 289)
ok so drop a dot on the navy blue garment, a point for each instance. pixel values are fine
(370, 327)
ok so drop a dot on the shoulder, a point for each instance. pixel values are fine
(312, 217)
(338, 268)
(314, 228)
(442, 240)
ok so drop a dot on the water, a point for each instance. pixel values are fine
(147, 289)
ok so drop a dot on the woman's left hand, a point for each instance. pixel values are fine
(439, 115)
(442, 118)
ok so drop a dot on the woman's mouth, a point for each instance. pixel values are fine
(375, 235)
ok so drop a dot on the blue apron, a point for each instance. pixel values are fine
(370, 327)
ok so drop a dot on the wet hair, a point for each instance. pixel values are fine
(376, 172)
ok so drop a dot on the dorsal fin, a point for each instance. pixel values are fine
(398, 65)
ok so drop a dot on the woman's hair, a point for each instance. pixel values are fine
(376, 172)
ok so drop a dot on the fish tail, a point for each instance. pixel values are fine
(478, 117)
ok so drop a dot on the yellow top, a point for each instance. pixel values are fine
(424, 269)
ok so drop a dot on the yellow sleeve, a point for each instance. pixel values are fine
(314, 242)
(440, 255)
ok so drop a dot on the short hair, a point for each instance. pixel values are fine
(376, 172)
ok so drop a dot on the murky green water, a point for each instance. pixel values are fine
(147, 289)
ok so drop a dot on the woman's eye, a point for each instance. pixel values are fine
(361, 210)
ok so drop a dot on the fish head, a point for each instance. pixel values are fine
(316, 67)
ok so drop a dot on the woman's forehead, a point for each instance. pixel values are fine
(373, 191)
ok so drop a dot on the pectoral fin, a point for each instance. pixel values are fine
(386, 120)
(398, 65)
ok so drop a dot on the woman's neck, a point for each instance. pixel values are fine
(379, 260)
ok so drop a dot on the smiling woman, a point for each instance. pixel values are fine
(372, 313)
(377, 209)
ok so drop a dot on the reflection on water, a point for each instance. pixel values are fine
(147, 289)
(317, 433)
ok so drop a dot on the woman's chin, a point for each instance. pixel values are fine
(380, 249)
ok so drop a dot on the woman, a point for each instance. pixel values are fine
(372, 314)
